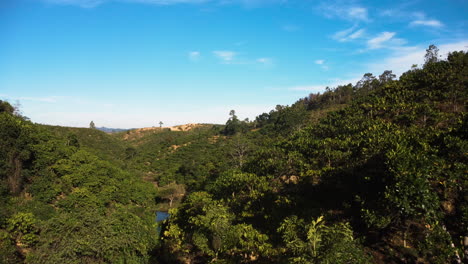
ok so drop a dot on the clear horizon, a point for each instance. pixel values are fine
(133, 63)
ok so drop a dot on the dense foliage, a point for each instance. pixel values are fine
(374, 172)
(62, 204)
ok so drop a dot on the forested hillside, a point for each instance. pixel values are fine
(372, 172)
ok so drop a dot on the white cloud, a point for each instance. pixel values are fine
(319, 88)
(357, 34)
(231, 57)
(349, 34)
(265, 61)
(322, 64)
(420, 19)
(167, 2)
(417, 18)
(358, 13)
(194, 55)
(389, 13)
(401, 59)
(308, 88)
(402, 13)
(80, 3)
(241, 43)
(377, 42)
(94, 3)
(290, 28)
(418, 15)
(339, 9)
(428, 23)
(343, 33)
(43, 99)
(225, 55)
(51, 99)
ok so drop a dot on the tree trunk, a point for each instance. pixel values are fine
(171, 199)
(14, 177)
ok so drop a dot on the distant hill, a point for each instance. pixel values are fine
(112, 130)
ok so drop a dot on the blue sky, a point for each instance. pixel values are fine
(132, 63)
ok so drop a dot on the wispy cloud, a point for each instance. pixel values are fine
(420, 19)
(349, 34)
(241, 43)
(376, 42)
(341, 35)
(290, 28)
(232, 57)
(344, 10)
(382, 40)
(167, 2)
(417, 18)
(225, 55)
(318, 88)
(80, 3)
(402, 13)
(308, 88)
(428, 23)
(46, 99)
(401, 60)
(194, 55)
(358, 13)
(94, 3)
(385, 40)
(322, 64)
(265, 61)
(358, 34)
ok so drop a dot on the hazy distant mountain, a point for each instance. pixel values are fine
(112, 130)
